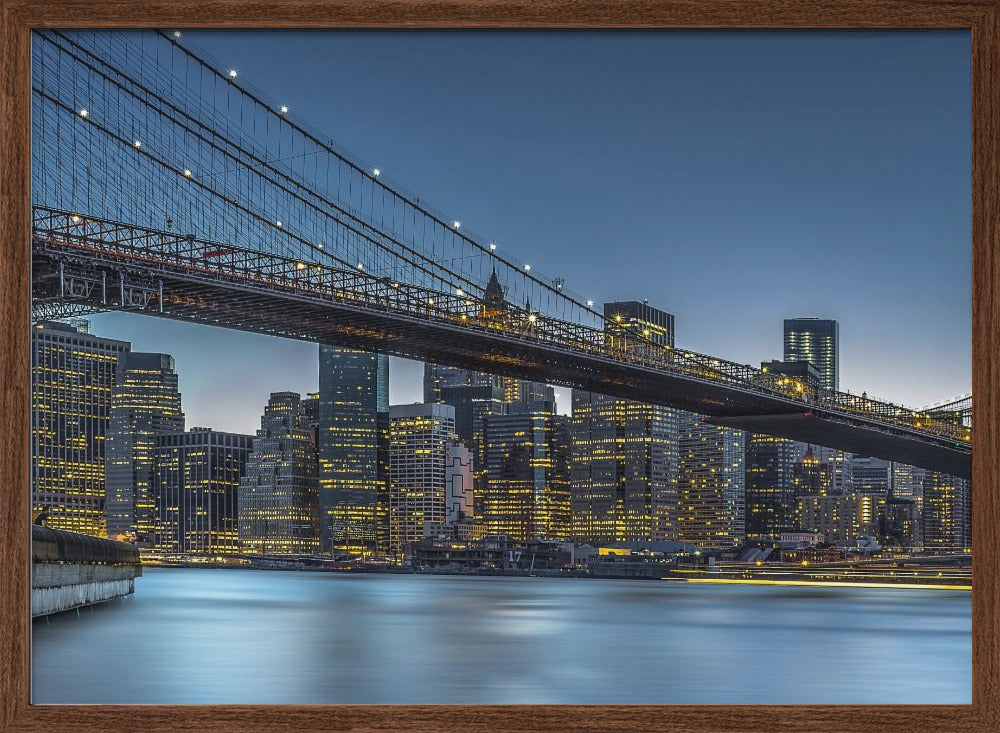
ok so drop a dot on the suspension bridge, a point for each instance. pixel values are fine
(163, 184)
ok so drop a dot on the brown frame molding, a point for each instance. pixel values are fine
(17, 17)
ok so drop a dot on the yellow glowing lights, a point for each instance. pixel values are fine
(300, 265)
(75, 219)
(187, 173)
(532, 318)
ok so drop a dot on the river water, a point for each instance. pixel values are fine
(265, 637)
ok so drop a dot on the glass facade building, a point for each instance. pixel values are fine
(770, 487)
(279, 493)
(145, 403)
(711, 494)
(196, 488)
(624, 460)
(353, 449)
(816, 340)
(73, 374)
(527, 474)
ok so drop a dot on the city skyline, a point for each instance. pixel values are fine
(892, 253)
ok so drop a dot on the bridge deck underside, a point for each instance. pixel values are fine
(238, 305)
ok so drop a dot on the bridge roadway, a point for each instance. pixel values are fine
(92, 264)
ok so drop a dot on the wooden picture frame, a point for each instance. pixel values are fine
(18, 17)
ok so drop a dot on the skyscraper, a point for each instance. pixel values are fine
(419, 440)
(279, 492)
(770, 487)
(195, 488)
(527, 473)
(947, 518)
(639, 319)
(815, 340)
(711, 492)
(624, 456)
(353, 448)
(72, 377)
(145, 403)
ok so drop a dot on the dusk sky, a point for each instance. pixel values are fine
(733, 179)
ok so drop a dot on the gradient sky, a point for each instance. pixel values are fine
(732, 178)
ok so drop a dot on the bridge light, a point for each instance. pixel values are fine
(465, 317)
(278, 223)
(527, 268)
(177, 34)
(300, 266)
(75, 219)
(459, 291)
(590, 304)
(493, 247)
(84, 112)
(232, 73)
(645, 332)
(457, 224)
(361, 267)
(430, 301)
(137, 144)
(532, 318)
(376, 172)
(284, 109)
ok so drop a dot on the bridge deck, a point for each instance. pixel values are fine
(209, 283)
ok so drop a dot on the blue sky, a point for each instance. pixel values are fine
(732, 178)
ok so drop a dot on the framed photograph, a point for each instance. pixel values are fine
(499, 366)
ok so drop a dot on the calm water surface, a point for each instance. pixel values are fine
(242, 636)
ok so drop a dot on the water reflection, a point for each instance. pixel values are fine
(239, 636)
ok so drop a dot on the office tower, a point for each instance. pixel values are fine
(809, 471)
(624, 460)
(841, 518)
(711, 490)
(72, 377)
(473, 404)
(145, 403)
(947, 515)
(900, 524)
(871, 475)
(816, 340)
(525, 392)
(624, 469)
(195, 488)
(908, 483)
(419, 437)
(527, 473)
(770, 487)
(353, 448)
(639, 319)
(279, 493)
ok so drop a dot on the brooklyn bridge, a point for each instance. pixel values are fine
(163, 184)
